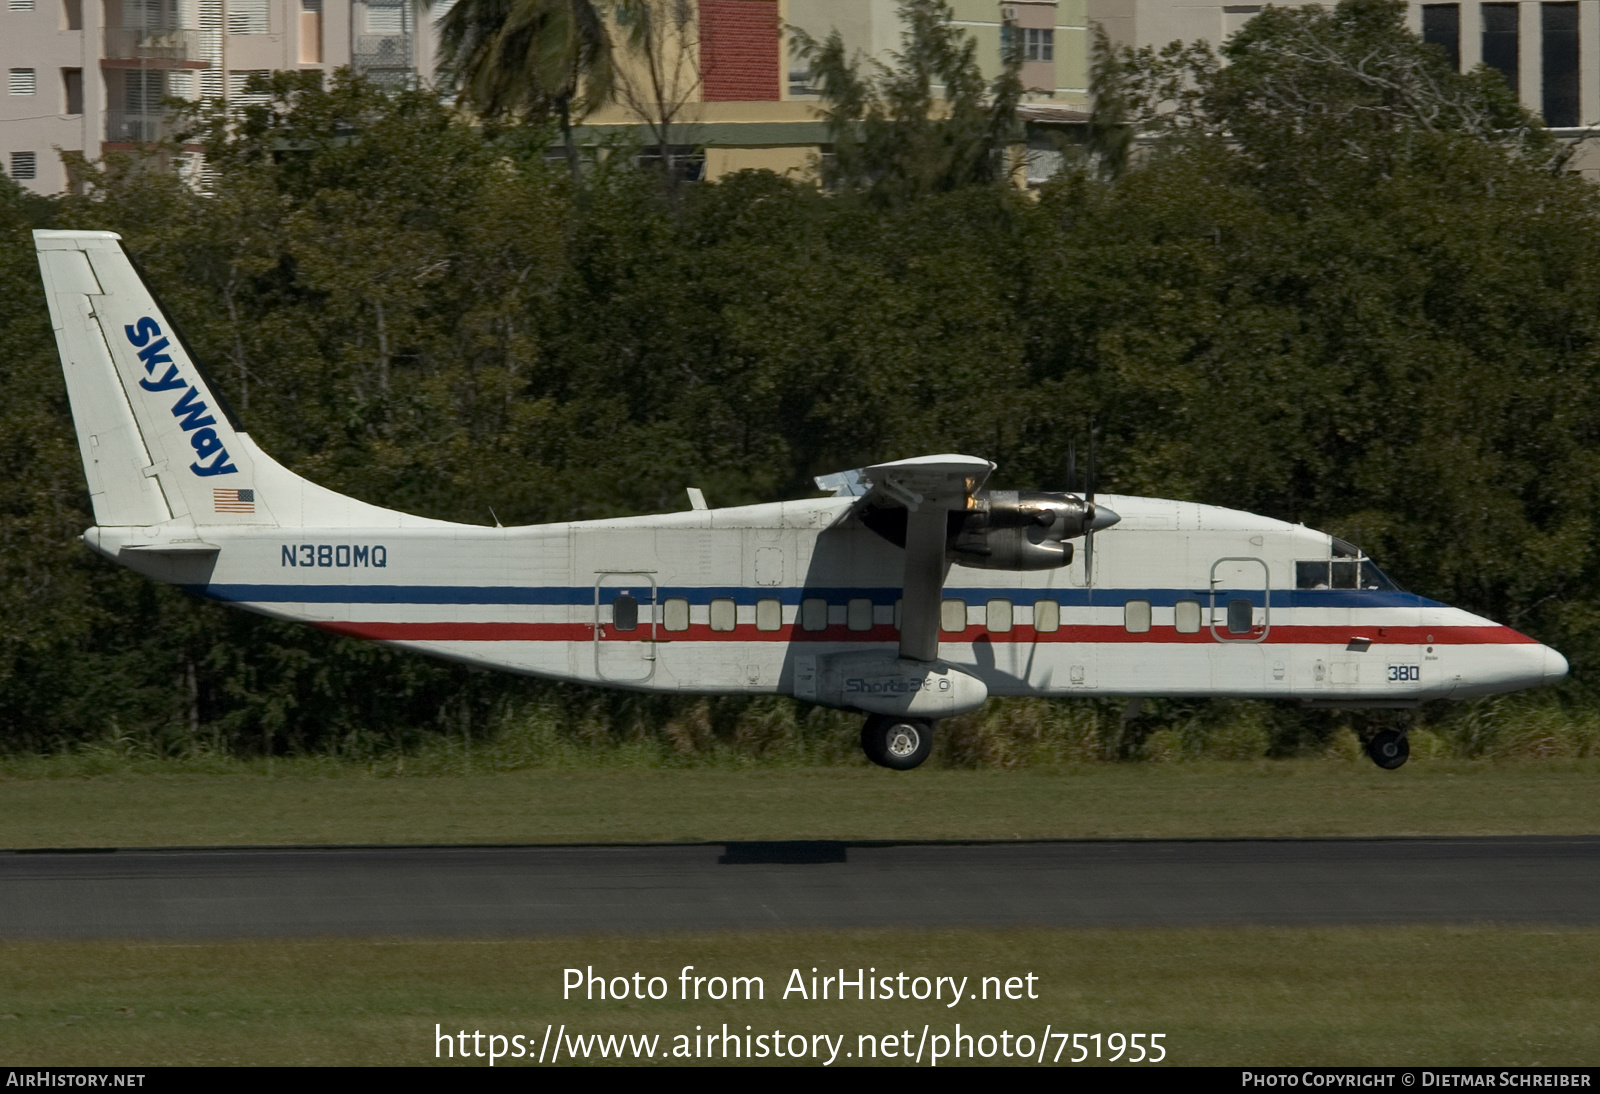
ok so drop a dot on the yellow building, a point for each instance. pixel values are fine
(735, 95)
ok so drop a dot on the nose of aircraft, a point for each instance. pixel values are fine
(1555, 666)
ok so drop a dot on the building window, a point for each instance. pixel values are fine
(1235, 16)
(1136, 616)
(386, 18)
(72, 89)
(953, 616)
(1441, 26)
(1560, 49)
(723, 614)
(1038, 45)
(1046, 616)
(813, 614)
(769, 614)
(858, 614)
(311, 31)
(24, 81)
(1500, 42)
(24, 165)
(997, 616)
(241, 80)
(72, 14)
(247, 16)
(21, 5)
(675, 614)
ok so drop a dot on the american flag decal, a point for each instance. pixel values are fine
(233, 501)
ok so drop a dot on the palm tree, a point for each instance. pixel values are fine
(521, 58)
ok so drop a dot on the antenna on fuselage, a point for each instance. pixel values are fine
(496, 516)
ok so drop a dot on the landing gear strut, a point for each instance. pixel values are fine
(898, 743)
(1388, 749)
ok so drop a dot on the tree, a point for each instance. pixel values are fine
(661, 73)
(927, 125)
(529, 59)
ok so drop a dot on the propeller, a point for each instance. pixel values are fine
(1096, 516)
(1088, 497)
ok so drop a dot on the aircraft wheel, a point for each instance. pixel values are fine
(897, 743)
(1388, 749)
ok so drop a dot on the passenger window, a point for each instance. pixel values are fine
(1136, 616)
(625, 613)
(1186, 619)
(997, 616)
(723, 614)
(953, 616)
(675, 614)
(858, 614)
(1046, 616)
(769, 615)
(1239, 616)
(813, 614)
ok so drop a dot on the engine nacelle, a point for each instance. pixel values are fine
(1020, 530)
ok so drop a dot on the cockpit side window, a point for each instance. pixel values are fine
(1311, 575)
(1347, 569)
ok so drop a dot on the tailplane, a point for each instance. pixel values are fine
(159, 443)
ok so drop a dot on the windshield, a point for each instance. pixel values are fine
(1347, 569)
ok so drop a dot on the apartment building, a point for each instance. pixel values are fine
(1549, 53)
(90, 76)
(754, 101)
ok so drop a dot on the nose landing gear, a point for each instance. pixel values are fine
(896, 743)
(1388, 749)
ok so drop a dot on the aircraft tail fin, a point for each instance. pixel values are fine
(158, 441)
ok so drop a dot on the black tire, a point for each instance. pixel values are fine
(896, 743)
(1388, 749)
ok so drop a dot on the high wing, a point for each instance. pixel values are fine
(929, 488)
(937, 509)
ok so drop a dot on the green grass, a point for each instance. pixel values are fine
(1392, 996)
(312, 802)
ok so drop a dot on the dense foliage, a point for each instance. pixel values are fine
(1364, 309)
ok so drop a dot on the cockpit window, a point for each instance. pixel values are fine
(1347, 569)
(1374, 578)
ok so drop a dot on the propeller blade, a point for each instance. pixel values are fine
(1072, 467)
(1088, 539)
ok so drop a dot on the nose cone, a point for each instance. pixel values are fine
(1555, 666)
(1103, 518)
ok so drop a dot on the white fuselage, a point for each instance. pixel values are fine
(732, 600)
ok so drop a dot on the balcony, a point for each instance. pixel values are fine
(126, 128)
(385, 59)
(170, 47)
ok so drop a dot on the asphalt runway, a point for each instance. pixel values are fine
(545, 890)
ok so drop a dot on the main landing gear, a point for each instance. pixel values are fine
(898, 743)
(1388, 748)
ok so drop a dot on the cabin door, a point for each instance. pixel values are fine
(625, 620)
(1239, 617)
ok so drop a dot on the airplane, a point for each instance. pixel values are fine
(909, 594)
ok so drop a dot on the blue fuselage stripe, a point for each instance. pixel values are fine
(557, 595)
